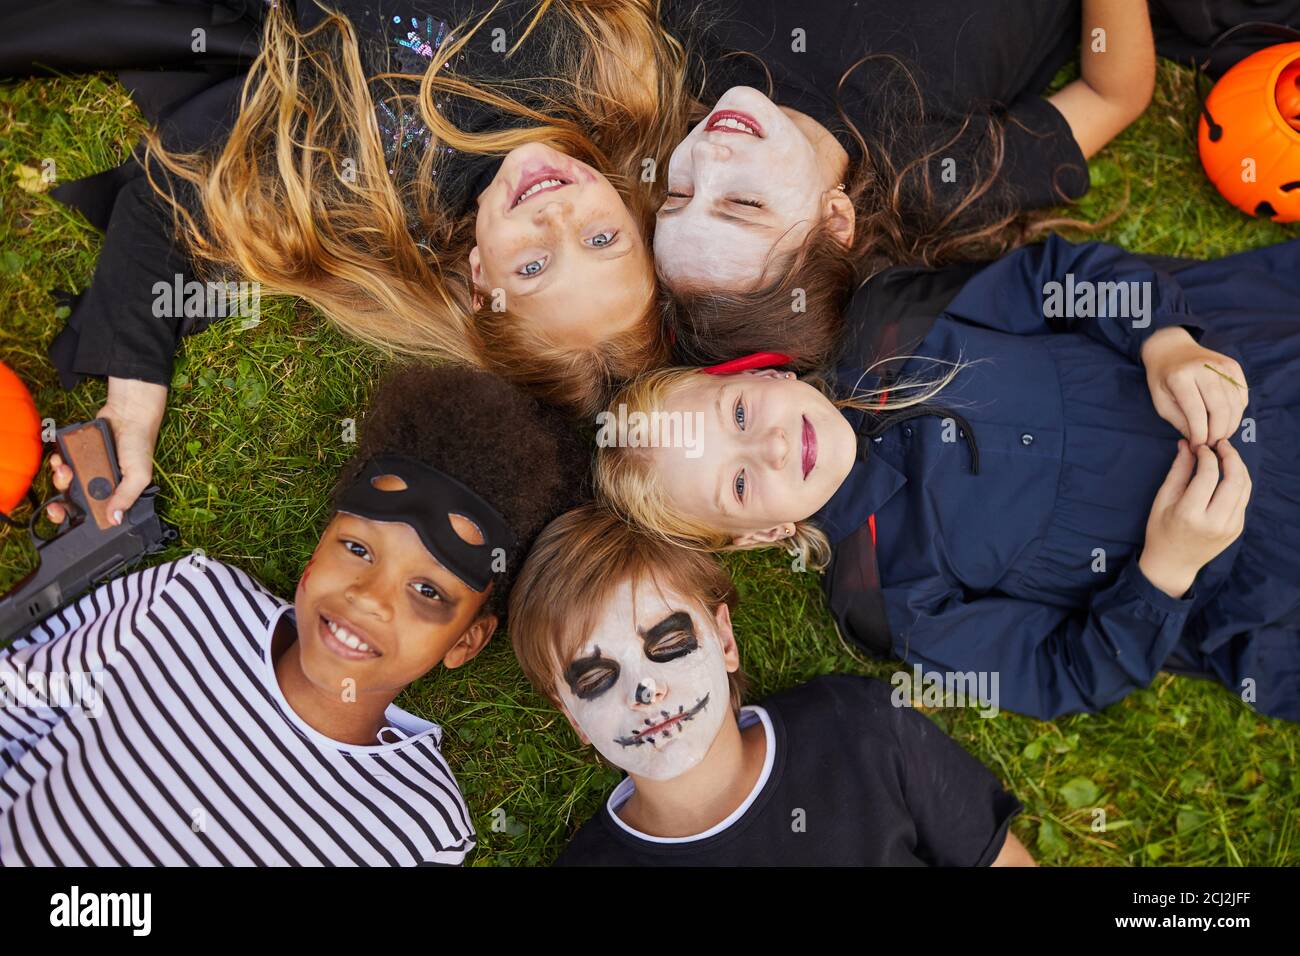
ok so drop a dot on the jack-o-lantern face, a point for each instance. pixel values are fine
(1250, 134)
(1288, 95)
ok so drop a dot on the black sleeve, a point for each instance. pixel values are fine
(586, 848)
(1041, 164)
(568, 857)
(961, 811)
(590, 846)
(114, 329)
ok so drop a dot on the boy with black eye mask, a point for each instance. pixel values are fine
(631, 637)
(218, 724)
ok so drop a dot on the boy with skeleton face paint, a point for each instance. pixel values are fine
(648, 690)
(631, 637)
(231, 727)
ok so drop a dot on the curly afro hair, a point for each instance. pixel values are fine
(520, 456)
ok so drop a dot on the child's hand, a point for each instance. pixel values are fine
(134, 411)
(61, 475)
(1200, 392)
(1194, 517)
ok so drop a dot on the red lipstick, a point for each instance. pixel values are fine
(712, 126)
(809, 447)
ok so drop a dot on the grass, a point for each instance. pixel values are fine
(1186, 774)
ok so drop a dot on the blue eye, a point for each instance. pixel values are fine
(357, 549)
(532, 268)
(740, 487)
(602, 239)
(738, 413)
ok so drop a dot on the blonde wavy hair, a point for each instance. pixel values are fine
(627, 481)
(384, 260)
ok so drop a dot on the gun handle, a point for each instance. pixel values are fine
(88, 450)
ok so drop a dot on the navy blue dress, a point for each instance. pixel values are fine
(1029, 568)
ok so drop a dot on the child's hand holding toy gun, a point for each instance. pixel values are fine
(91, 545)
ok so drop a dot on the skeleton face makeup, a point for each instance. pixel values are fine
(649, 685)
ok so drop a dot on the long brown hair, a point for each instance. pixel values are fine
(900, 220)
(300, 198)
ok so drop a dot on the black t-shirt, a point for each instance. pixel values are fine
(988, 59)
(853, 781)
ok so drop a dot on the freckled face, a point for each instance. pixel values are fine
(375, 606)
(649, 687)
(554, 236)
(773, 451)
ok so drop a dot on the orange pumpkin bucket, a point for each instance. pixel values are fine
(20, 439)
(1250, 134)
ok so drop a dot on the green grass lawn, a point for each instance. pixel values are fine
(1186, 774)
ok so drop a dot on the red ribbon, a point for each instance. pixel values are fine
(747, 362)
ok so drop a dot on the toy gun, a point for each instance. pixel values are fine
(88, 547)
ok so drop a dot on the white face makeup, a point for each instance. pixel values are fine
(745, 185)
(649, 687)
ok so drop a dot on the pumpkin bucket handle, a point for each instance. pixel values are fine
(1281, 31)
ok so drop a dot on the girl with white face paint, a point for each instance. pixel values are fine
(632, 638)
(913, 133)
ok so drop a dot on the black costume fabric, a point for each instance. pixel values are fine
(1185, 30)
(400, 36)
(855, 781)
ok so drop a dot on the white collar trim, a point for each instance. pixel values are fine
(402, 725)
(621, 794)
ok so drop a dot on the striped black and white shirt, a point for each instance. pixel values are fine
(144, 725)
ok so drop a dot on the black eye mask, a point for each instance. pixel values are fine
(426, 504)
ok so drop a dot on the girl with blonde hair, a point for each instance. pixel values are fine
(477, 194)
(462, 179)
(1001, 497)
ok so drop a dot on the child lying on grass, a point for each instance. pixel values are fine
(1084, 472)
(631, 637)
(212, 722)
